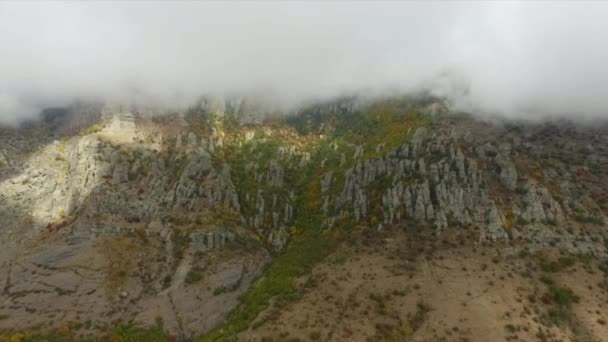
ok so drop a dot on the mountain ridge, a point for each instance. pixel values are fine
(197, 222)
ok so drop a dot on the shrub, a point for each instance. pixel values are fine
(133, 333)
(564, 296)
(547, 280)
(604, 268)
(379, 299)
(90, 130)
(18, 337)
(167, 281)
(194, 275)
(589, 218)
(555, 266)
(315, 335)
(419, 317)
(219, 290)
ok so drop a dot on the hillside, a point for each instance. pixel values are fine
(349, 220)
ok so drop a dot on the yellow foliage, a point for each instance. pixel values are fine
(64, 329)
(508, 219)
(374, 221)
(18, 337)
(336, 234)
(116, 338)
(75, 324)
(93, 129)
(403, 333)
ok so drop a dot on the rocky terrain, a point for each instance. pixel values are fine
(393, 219)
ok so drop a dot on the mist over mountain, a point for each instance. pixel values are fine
(518, 59)
(303, 171)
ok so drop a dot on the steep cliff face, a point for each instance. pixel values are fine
(171, 217)
(137, 224)
(438, 176)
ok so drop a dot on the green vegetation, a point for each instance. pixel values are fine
(380, 303)
(92, 129)
(219, 290)
(552, 266)
(422, 309)
(67, 333)
(563, 296)
(300, 256)
(251, 159)
(386, 123)
(403, 331)
(560, 299)
(595, 219)
(134, 333)
(194, 275)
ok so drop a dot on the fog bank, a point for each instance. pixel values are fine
(517, 59)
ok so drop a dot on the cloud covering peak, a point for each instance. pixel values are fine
(514, 58)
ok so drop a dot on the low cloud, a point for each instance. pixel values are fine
(517, 59)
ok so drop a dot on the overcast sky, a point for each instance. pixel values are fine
(545, 57)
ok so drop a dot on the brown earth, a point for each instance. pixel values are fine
(409, 290)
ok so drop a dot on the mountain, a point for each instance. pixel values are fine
(350, 219)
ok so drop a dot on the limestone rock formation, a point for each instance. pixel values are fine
(175, 216)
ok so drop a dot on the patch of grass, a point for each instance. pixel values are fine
(194, 275)
(67, 333)
(134, 333)
(562, 299)
(564, 296)
(298, 259)
(219, 290)
(551, 266)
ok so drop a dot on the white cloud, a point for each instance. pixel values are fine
(514, 57)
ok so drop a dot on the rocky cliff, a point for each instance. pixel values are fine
(167, 219)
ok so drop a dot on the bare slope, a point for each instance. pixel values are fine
(206, 224)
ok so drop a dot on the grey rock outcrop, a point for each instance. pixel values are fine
(203, 241)
(508, 172)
